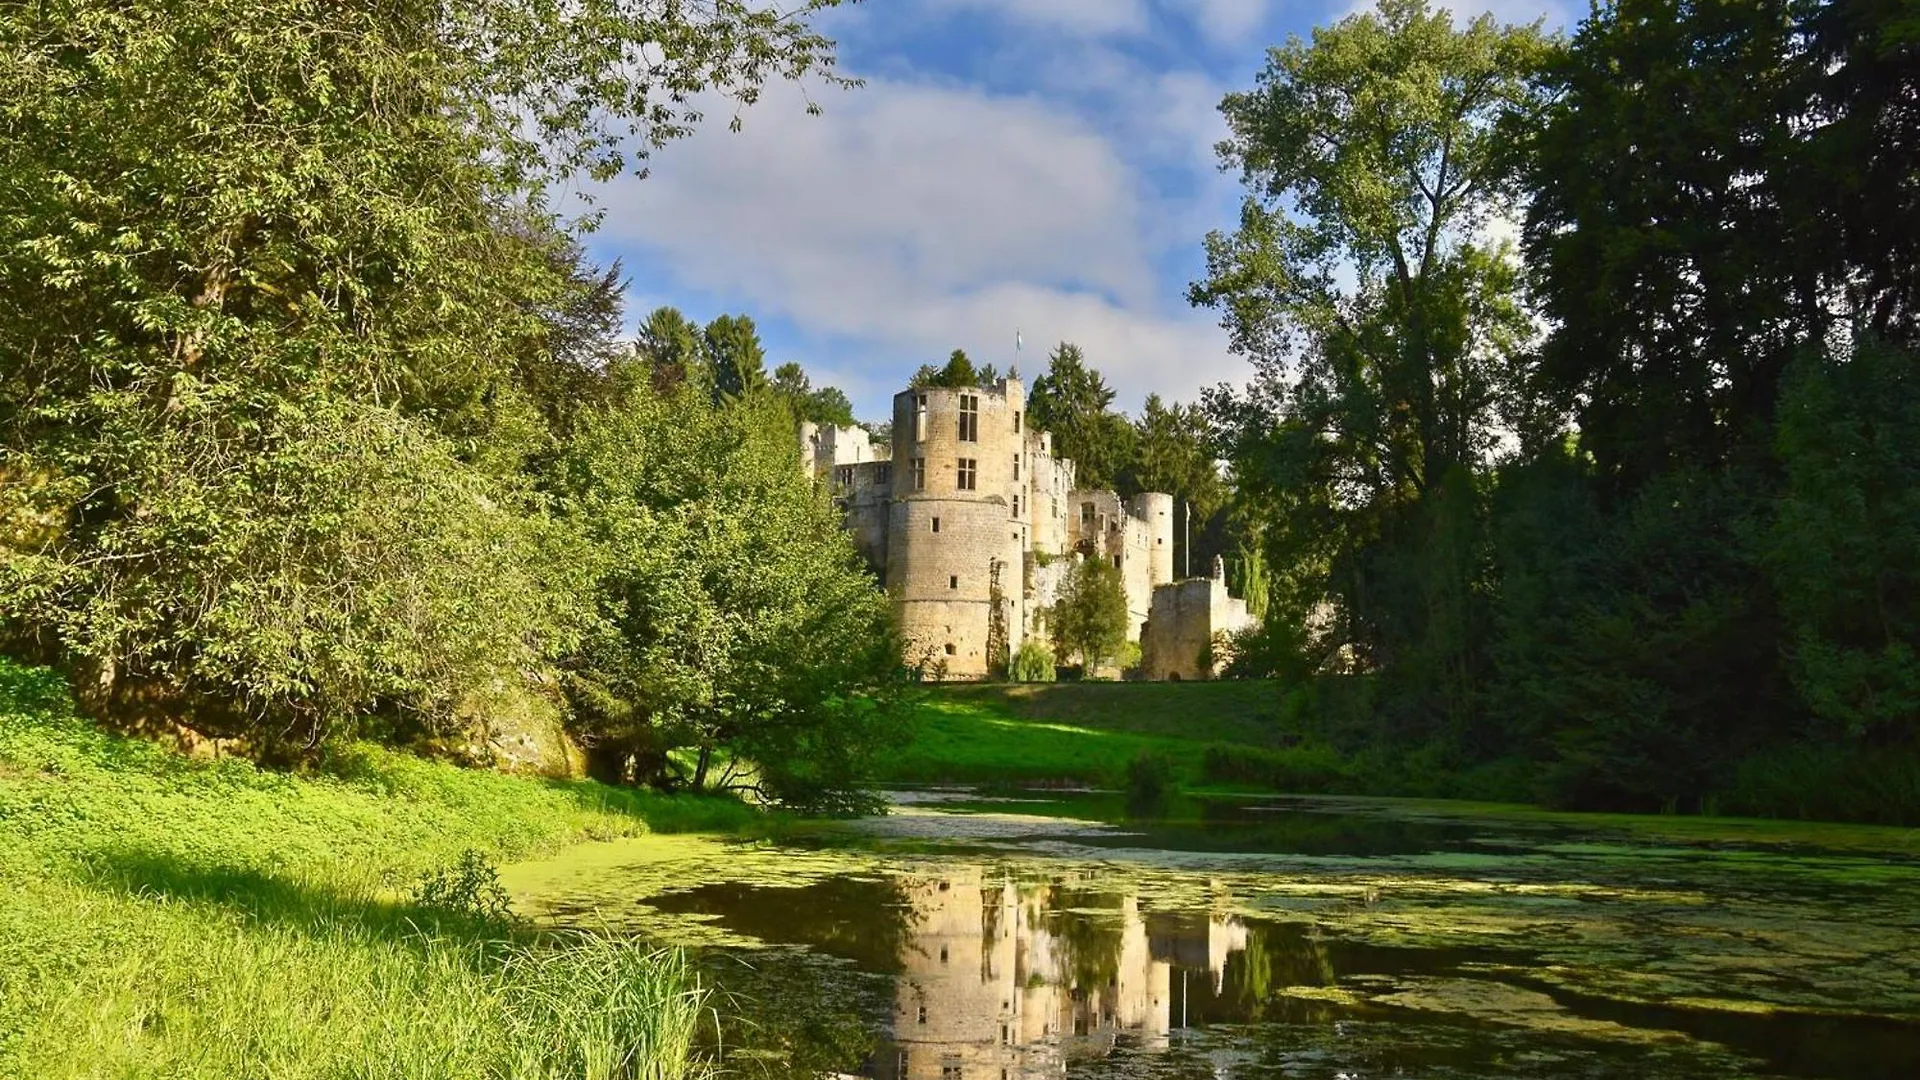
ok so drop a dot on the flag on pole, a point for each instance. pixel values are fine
(1017, 343)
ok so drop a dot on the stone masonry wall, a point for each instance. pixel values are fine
(1177, 642)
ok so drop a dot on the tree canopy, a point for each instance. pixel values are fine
(296, 354)
(1610, 506)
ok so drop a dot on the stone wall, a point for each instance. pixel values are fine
(1178, 640)
(823, 446)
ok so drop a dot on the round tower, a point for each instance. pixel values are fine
(1156, 508)
(957, 532)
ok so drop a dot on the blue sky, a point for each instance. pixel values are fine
(1045, 165)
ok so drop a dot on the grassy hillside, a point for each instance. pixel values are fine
(164, 917)
(1081, 733)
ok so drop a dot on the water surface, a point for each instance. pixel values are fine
(963, 938)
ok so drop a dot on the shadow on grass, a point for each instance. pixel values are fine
(313, 908)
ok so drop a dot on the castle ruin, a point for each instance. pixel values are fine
(972, 523)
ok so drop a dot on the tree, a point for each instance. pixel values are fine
(1173, 453)
(673, 349)
(734, 354)
(824, 405)
(1378, 147)
(278, 309)
(734, 620)
(1089, 620)
(1073, 402)
(959, 373)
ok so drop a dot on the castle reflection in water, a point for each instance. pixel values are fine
(1003, 980)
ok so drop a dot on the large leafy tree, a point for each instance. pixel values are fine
(734, 622)
(1073, 401)
(1383, 321)
(274, 274)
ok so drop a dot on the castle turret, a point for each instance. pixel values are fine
(1156, 509)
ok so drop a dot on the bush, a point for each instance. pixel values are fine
(469, 887)
(1032, 662)
(1828, 783)
(1301, 770)
(1150, 779)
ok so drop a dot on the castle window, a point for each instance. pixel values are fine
(969, 473)
(1016, 467)
(950, 651)
(1116, 562)
(1086, 513)
(883, 475)
(1016, 422)
(969, 417)
(923, 1008)
(844, 475)
(1161, 540)
(943, 954)
(949, 1072)
(919, 417)
(919, 474)
(953, 582)
(936, 524)
(1016, 506)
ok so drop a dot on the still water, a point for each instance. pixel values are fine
(961, 938)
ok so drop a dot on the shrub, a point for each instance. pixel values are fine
(1032, 662)
(469, 887)
(1301, 770)
(1150, 779)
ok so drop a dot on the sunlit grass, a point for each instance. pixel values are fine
(162, 917)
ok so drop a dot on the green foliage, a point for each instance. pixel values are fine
(1089, 620)
(1032, 663)
(469, 886)
(735, 356)
(959, 373)
(1306, 770)
(822, 405)
(291, 334)
(1073, 401)
(1666, 541)
(1840, 553)
(674, 351)
(1247, 573)
(1151, 779)
(732, 616)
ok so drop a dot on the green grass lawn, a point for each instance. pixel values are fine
(167, 917)
(1079, 733)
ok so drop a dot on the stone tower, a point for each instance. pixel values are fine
(1156, 509)
(957, 531)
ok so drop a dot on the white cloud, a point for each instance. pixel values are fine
(914, 218)
(1225, 22)
(1557, 13)
(1089, 17)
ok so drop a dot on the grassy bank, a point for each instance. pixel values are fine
(165, 917)
(1082, 733)
(1248, 736)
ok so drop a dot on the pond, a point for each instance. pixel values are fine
(963, 937)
